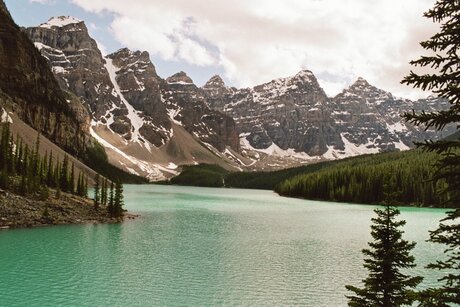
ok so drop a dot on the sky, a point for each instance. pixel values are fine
(250, 42)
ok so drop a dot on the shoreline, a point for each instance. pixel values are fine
(22, 212)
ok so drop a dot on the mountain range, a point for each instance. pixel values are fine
(150, 126)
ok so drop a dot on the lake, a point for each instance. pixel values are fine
(202, 246)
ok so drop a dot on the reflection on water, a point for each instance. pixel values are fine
(198, 246)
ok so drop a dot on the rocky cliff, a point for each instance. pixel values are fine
(134, 111)
(294, 117)
(28, 87)
(151, 124)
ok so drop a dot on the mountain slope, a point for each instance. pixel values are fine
(293, 118)
(141, 119)
(56, 114)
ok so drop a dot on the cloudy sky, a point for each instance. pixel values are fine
(249, 42)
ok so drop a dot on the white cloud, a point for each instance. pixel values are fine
(255, 41)
(42, 1)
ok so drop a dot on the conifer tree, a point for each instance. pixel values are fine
(72, 179)
(444, 59)
(57, 175)
(64, 174)
(49, 174)
(10, 158)
(18, 155)
(386, 285)
(4, 145)
(85, 189)
(118, 200)
(97, 188)
(111, 205)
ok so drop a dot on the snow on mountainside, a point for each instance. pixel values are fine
(295, 116)
(135, 112)
(60, 21)
(149, 125)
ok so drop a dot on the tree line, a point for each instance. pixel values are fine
(25, 172)
(399, 178)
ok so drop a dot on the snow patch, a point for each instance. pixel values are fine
(136, 121)
(5, 118)
(60, 21)
(153, 171)
(275, 150)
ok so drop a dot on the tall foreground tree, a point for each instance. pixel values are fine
(386, 285)
(445, 82)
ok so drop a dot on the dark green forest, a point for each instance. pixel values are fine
(398, 178)
(202, 175)
(24, 171)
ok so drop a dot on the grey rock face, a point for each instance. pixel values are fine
(295, 113)
(290, 112)
(123, 90)
(188, 107)
(76, 61)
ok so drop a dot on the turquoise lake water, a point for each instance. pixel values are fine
(201, 247)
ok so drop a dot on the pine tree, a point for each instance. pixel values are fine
(85, 188)
(444, 82)
(57, 175)
(72, 179)
(49, 174)
(118, 200)
(97, 195)
(105, 186)
(386, 285)
(4, 145)
(111, 205)
(64, 175)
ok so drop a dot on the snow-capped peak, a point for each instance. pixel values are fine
(60, 21)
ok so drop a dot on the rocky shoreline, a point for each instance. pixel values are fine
(18, 211)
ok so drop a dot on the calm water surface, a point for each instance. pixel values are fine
(199, 246)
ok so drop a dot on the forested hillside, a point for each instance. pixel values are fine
(398, 178)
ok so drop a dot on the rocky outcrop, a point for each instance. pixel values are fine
(188, 107)
(76, 61)
(295, 115)
(29, 88)
(18, 211)
(126, 98)
(289, 112)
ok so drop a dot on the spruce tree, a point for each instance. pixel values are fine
(111, 205)
(97, 188)
(72, 179)
(85, 188)
(444, 59)
(118, 200)
(386, 285)
(49, 173)
(4, 145)
(64, 175)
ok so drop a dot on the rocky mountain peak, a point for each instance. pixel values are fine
(61, 21)
(180, 78)
(127, 53)
(3, 9)
(215, 82)
(305, 75)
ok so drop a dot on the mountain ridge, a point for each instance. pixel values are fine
(289, 121)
